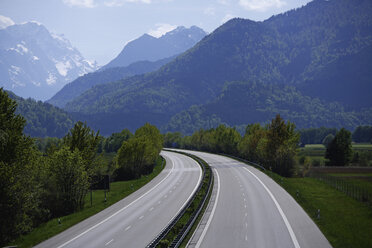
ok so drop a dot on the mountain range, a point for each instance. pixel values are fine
(142, 55)
(84, 83)
(36, 63)
(319, 54)
(149, 48)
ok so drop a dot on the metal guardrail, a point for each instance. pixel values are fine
(245, 161)
(182, 234)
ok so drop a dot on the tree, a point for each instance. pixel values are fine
(132, 157)
(362, 134)
(339, 151)
(173, 140)
(227, 139)
(281, 147)
(67, 182)
(19, 193)
(82, 138)
(115, 140)
(137, 155)
(248, 147)
(328, 139)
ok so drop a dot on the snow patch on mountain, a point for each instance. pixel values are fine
(63, 67)
(51, 79)
(36, 63)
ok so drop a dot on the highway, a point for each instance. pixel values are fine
(138, 218)
(251, 210)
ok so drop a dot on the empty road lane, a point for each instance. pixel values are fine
(137, 219)
(251, 210)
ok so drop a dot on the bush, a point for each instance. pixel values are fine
(316, 162)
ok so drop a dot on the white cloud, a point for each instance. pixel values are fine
(114, 3)
(119, 3)
(161, 28)
(210, 11)
(138, 1)
(5, 22)
(80, 3)
(261, 5)
(226, 18)
(224, 2)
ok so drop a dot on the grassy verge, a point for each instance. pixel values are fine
(345, 222)
(118, 191)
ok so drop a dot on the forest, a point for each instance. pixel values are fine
(46, 178)
(53, 175)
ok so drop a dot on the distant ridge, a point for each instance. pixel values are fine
(84, 83)
(149, 48)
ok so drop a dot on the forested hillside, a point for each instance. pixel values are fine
(84, 83)
(42, 119)
(242, 102)
(322, 50)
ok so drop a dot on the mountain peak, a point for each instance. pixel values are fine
(150, 48)
(37, 63)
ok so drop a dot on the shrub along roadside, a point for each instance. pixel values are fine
(118, 191)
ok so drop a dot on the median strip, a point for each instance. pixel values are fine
(176, 231)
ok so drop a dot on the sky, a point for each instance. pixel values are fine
(99, 29)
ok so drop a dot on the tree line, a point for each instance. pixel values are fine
(46, 178)
(361, 134)
(273, 146)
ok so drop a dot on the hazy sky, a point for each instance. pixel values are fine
(99, 29)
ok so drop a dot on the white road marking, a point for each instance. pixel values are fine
(109, 242)
(246, 238)
(128, 227)
(165, 196)
(141, 217)
(117, 212)
(288, 225)
(212, 213)
(151, 209)
(196, 186)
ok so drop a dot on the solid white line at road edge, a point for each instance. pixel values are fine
(117, 212)
(212, 213)
(288, 225)
(196, 187)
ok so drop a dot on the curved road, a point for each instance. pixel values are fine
(138, 218)
(251, 210)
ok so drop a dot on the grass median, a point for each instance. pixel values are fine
(118, 191)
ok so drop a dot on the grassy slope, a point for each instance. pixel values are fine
(118, 191)
(344, 221)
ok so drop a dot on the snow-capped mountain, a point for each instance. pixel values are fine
(151, 48)
(36, 63)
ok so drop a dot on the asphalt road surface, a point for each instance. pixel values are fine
(137, 219)
(251, 210)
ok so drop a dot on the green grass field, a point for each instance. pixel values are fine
(344, 221)
(318, 151)
(118, 191)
